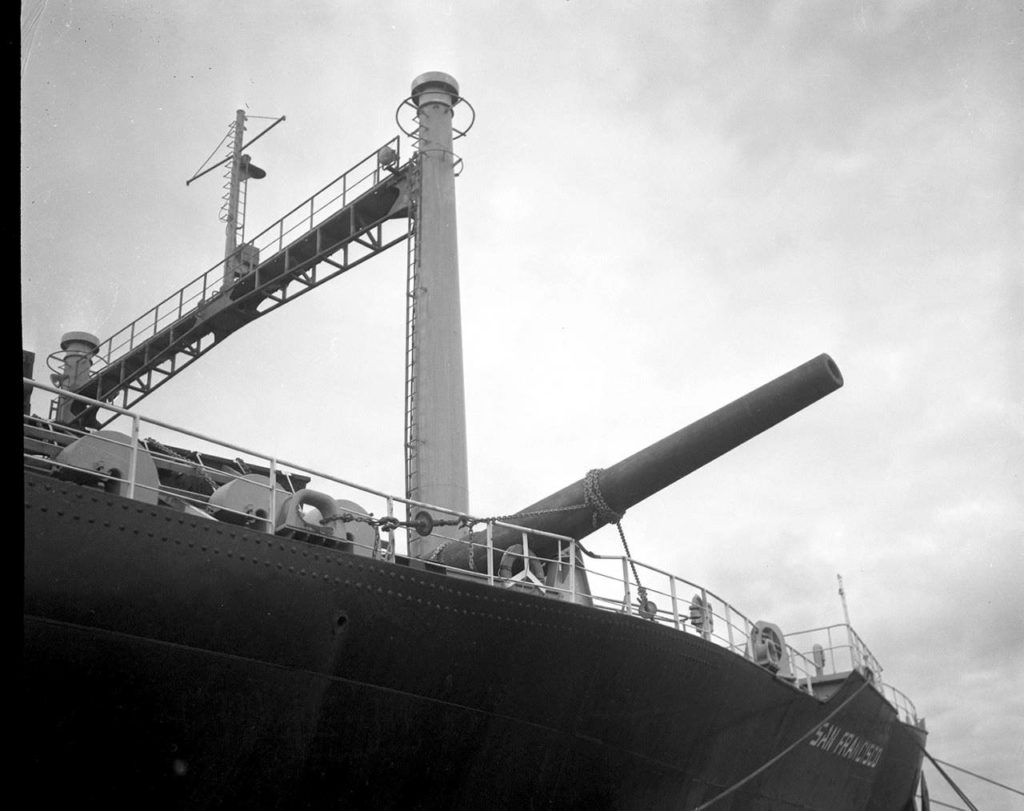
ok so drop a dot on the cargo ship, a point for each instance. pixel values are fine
(210, 626)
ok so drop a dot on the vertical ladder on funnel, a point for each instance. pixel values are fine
(411, 284)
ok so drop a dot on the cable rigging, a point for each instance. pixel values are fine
(200, 172)
(981, 777)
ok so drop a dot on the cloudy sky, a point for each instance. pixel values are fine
(663, 205)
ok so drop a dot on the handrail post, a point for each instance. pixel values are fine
(627, 597)
(133, 463)
(490, 553)
(728, 625)
(527, 571)
(272, 515)
(391, 532)
(675, 603)
(572, 570)
(557, 562)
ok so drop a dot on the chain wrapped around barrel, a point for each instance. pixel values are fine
(603, 514)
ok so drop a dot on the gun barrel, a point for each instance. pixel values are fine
(643, 474)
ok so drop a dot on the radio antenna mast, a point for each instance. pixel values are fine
(240, 170)
(842, 598)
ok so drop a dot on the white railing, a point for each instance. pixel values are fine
(123, 472)
(326, 202)
(606, 582)
(840, 649)
(904, 706)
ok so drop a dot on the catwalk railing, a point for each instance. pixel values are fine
(604, 582)
(330, 199)
(840, 650)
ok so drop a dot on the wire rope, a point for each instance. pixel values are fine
(783, 753)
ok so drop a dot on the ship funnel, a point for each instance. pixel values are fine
(437, 466)
(434, 87)
(79, 350)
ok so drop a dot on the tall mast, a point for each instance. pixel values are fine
(842, 597)
(440, 475)
(231, 231)
(235, 182)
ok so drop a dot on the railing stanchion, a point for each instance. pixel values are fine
(391, 532)
(854, 653)
(728, 626)
(572, 570)
(133, 462)
(627, 597)
(490, 553)
(675, 603)
(272, 515)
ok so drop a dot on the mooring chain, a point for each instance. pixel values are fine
(602, 512)
(387, 523)
(436, 554)
(593, 498)
(467, 522)
(159, 447)
(509, 518)
(422, 522)
(390, 522)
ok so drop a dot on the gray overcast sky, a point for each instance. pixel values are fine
(663, 205)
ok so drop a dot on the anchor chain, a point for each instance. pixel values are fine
(602, 512)
(423, 522)
(159, 447)
(530, 513)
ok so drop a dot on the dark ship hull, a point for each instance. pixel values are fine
(172, 661)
